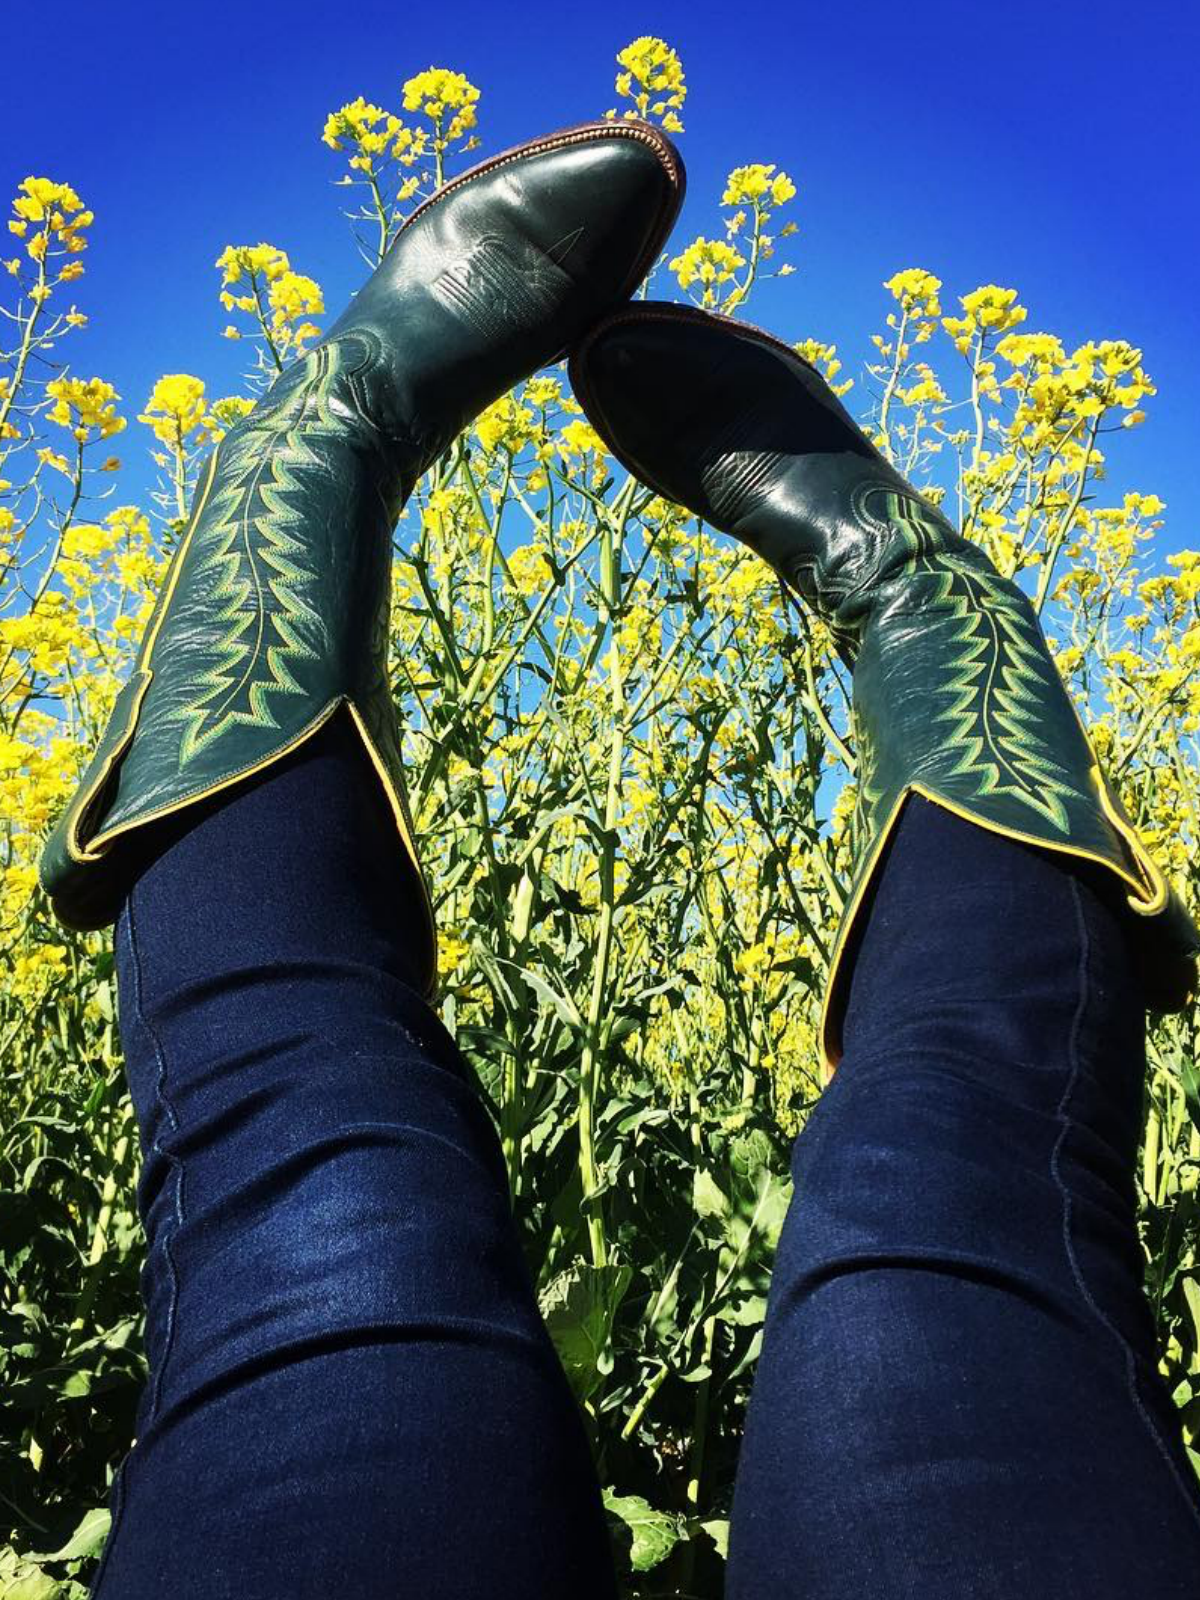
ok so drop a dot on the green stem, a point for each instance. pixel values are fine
(612, 539)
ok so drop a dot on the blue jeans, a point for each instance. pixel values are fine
(351, 1390)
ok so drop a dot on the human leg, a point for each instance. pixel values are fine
(351, 1388)
(342, 1342)
(958, 1393)
(964, 1206)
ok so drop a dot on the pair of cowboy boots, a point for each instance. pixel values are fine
(275, 608)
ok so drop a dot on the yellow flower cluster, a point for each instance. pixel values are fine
(277, 298)
(58, 220)
(652, 77)
(84, 405)
(926, 389)
(250, 262)
(987, 310)
(579, 438)
(1056, 390)
(293, 296)
(916, 291)
(372, 132)
(827, 362)
(516, 420)
(529, 569)
(438, 91)
(505, 423)
(758, 185)
(375, 137)
(1040, 350)
(708, 263)
(176, 409)
(226, 413)
(451, 952)
(41, 200)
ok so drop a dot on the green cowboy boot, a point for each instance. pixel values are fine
(275, 608)
(956, 695)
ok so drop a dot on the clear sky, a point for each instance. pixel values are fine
(1046, 145)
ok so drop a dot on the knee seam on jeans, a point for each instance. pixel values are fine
(160, 1094)
(938, 1063)
(1067, 1123)
(135, 967)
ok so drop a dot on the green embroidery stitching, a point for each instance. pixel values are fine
(999, 676)
(259, 570)
(870, 792)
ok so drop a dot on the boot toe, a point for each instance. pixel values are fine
(603, 208)
(703, 408)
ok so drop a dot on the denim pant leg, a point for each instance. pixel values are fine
(351, 1391)
(958, 1393)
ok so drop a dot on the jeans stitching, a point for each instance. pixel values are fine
(1064, 1117)
(135, 968)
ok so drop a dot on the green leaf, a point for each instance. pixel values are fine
(563, 1005)
(1191, 1293)
(718, 1531)
(23, 1582)
(1189, 1077)
(708, 1198)
(655, 1533)
(580, 1306)
(87, 1540)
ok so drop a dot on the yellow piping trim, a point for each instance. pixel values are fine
(75, 848)
(1146, 906)
(831, 1052)
(177, 567)
(397, 806)
(102, 840)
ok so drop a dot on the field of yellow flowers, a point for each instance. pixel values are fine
(634, 777)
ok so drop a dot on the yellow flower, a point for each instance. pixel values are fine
(43, 200)
(438, 90)
(653, 79)
(451, 953)
(825, 358)
(530, 569)
(989, 309)
(1025, 349)
(85, 541)
(277, 297)
(916, 290)
(238, 261)
(504, 423)
(292, 296)
(993, 307)
(175, 409)
(53, 458)
(708, 262)
(579, 438)
(757, 185)
(927, 390)
(83, 404)
(226, 413)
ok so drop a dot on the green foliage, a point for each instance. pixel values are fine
(634, 786)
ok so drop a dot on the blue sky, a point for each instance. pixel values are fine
(1049, 147)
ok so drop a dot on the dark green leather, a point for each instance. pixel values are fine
(274, 611)
(956, 695)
